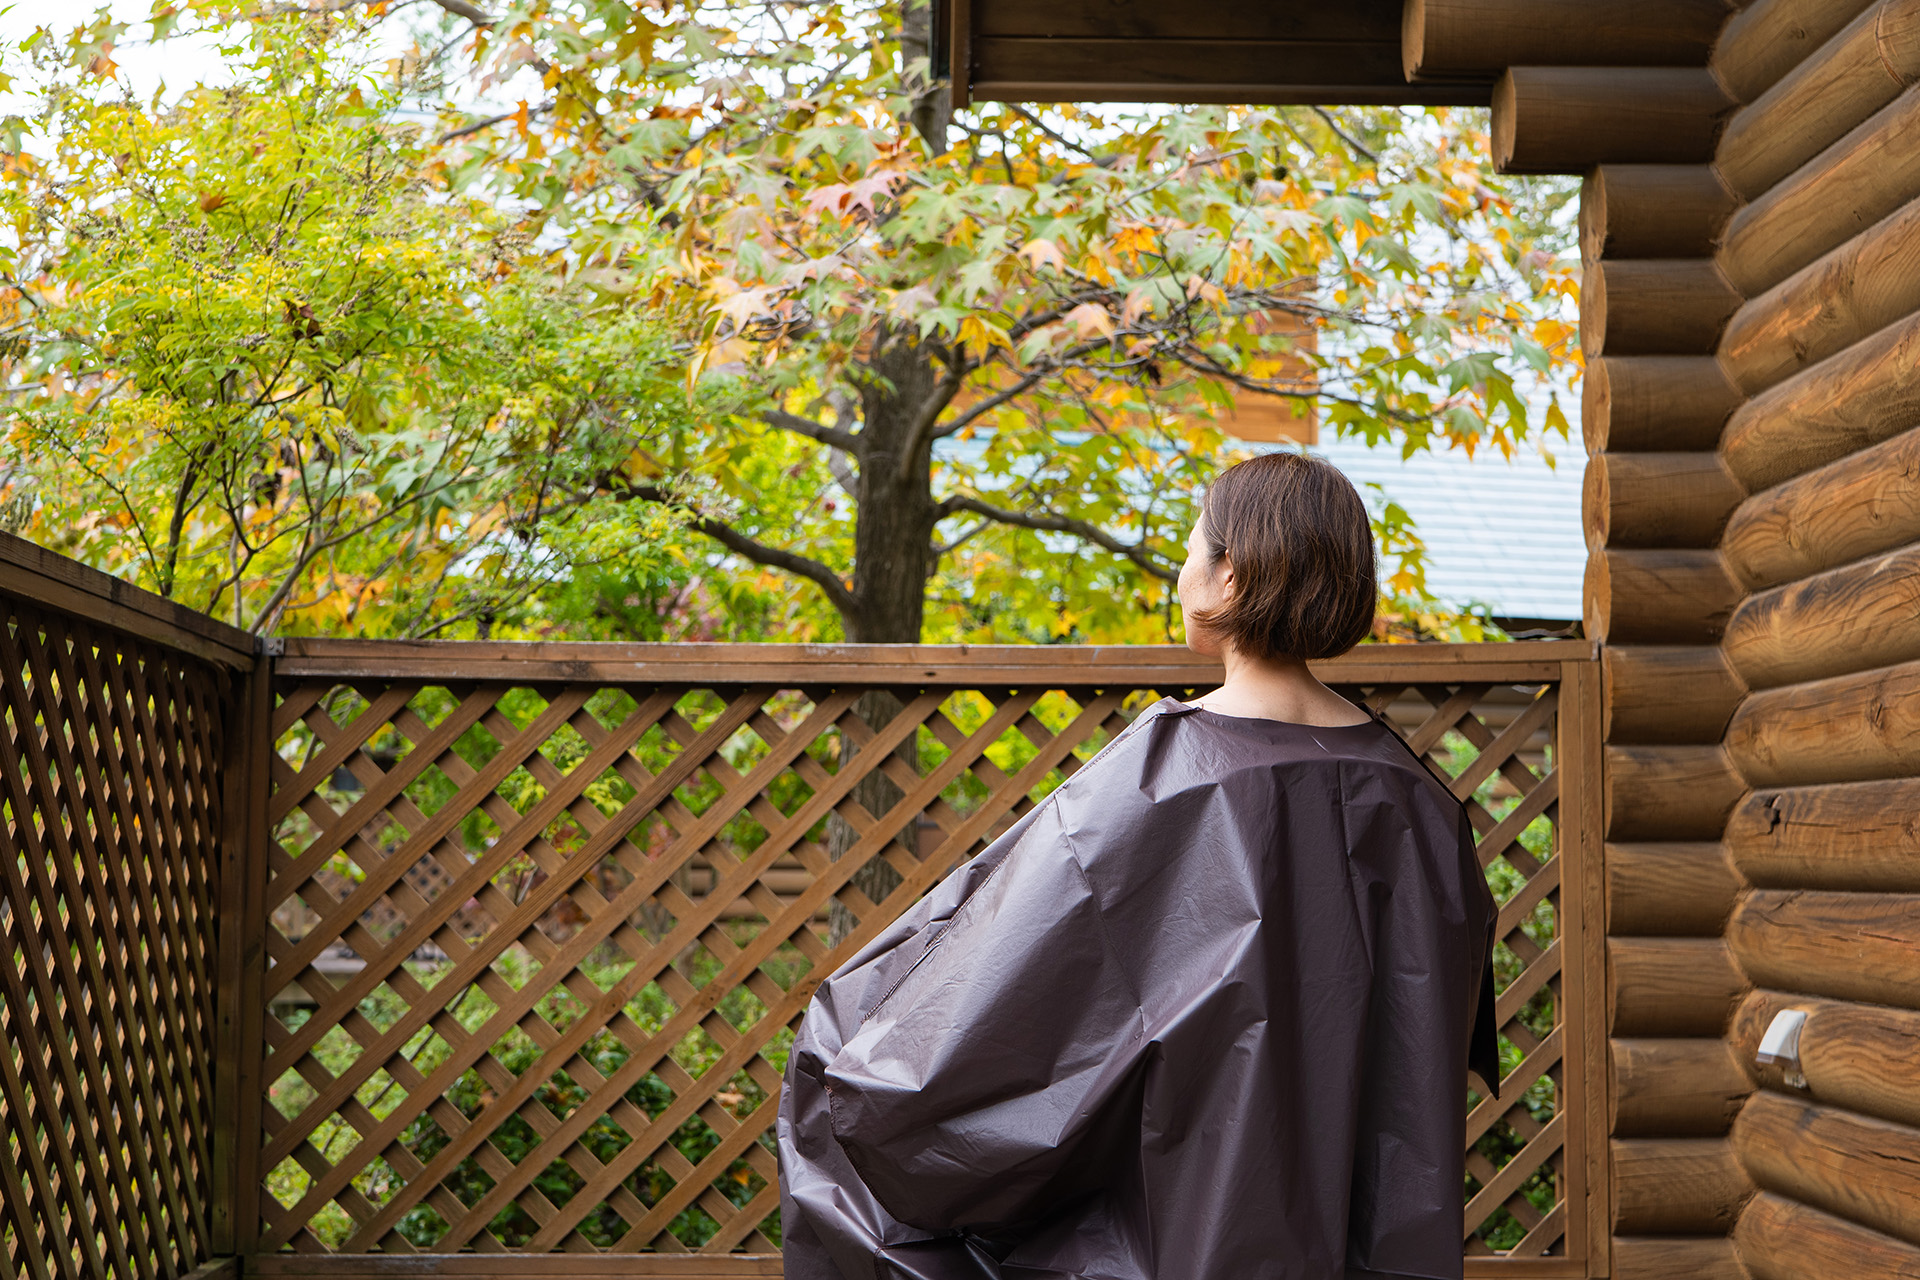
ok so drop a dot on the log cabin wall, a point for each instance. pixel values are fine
(1751, 234)
(1750, 230)
(1824, 546)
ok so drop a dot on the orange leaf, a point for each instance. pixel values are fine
(211, 200)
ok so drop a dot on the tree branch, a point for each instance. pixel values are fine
(1047, 522)
(845, 441)
(922, 429)
(759, 552)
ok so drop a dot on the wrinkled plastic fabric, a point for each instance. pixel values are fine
(1205, 1013)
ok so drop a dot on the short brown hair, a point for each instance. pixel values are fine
(1302, 552)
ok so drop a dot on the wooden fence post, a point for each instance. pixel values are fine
(240, 1044)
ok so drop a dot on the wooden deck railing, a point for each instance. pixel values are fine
(511, 939)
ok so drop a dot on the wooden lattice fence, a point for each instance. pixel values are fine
(370, 959)
(115, 752)
(541, 932)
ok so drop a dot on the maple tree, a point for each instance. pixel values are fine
(984, 360)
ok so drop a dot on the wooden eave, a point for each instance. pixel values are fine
(1332, 52)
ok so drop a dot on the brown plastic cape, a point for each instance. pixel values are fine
(1205, 1013)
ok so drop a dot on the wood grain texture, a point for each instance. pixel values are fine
(1860, 179)
(1850, 1165)
(1675, 1258)
(1669, 792)
(1544, 118)
(1676, 1185)
(1854, 291)
(1652, 211)
(1671, 986)
(1675, 1088)
(1863, 505)
(1657, 499)
(1779, 1238)
(1654, 306)
(1658, 596)
(1845, 620)
(1633, 404)
(1485, 37)
(1670, 888)
(1854, 835)
(1861, 1057)
(1868, 393)
(1854, 74)
(1769, 38)
(1845, 729)
(1852, 946)
(1682, 693)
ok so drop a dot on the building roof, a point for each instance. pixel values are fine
(1504, 534)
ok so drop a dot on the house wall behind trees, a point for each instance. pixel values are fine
(1751, 318)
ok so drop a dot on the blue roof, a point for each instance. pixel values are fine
(1504, 534)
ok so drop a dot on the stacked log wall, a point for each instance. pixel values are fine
(1824, 549)
(1751, 319)
(1654, 304)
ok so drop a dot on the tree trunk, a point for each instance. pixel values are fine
(893, 558)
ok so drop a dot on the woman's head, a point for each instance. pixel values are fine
(1280, 562)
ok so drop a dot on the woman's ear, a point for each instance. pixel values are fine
(1226, 577)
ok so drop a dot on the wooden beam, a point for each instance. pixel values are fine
(1848, 187)
(1675, 1088)
(1857, 398)
(1769, 38)
(1853, 835)
(1654, 306)
(1865, 504)
(1373, 21)
(1782, 1239)
(1828, 305)
(1670, 888)
(515, 1266)
(1668, 793)
(1852, 946)
(1864, 1169)
(1569, 119)
(1668, 693)
(1677, 1185)
(1484, 37)
(1657, 499)
(1671, 986)
(1853, 75)
(1658, 597)
(1675, 1258)
(1652, 211)
(1632, 404)
(883, 665)
(1847, 729)
(1863, 1057)
(1849, 619)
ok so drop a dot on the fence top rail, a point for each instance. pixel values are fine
(52, 581)
(959, 666)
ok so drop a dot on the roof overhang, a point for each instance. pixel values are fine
(1331, 52)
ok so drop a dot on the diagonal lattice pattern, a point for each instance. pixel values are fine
(537, 951)
(110, 752)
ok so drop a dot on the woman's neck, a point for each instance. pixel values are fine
(1277, 689)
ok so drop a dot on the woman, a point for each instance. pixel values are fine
(1206, 1012)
